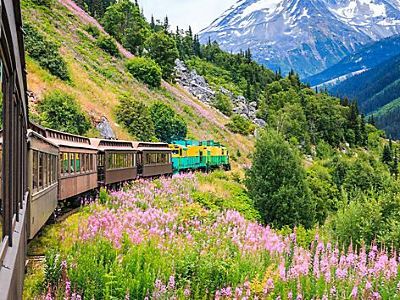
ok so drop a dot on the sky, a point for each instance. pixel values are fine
(197, 13)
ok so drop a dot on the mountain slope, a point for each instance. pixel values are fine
(98, 80)
(366, 58)
(306, 35)
(377, 92)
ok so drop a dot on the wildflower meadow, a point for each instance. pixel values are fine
(154, 240)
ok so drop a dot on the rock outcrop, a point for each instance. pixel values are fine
(197, 85)
(105, 129)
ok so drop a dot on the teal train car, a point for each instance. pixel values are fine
(189, 155)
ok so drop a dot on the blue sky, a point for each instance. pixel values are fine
(197, 13)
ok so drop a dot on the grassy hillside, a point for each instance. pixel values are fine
(98, 79)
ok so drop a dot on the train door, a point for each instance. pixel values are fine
(201, 157)
(101, 168)
(139, 160)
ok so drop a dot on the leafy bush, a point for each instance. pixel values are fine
(223, 103)
(108, 44)
(47, 3)
(60, 111)
(124, 21)
(146, 70)
(135, 116)
(241, 125)
(45, 53)
(277, 183)
(162, 48)
(168, 126)
(93, 30)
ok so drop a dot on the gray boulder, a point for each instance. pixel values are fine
(105, 129)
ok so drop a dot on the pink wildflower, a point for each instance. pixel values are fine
(354, 292)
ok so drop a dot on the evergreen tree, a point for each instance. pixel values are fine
(363, 131)
(166, 24)
(135, 116)
(125, 22)
(162, 49)
(387, 155)
(152, 23)
(395, 170)
(277, 183)
(167, 124)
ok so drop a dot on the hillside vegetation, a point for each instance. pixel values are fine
(98, 80)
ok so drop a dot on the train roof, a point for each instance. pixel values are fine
(141, 146)
(64, 139)
(31, 133)
(104, 144)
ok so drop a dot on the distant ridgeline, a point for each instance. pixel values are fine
(378, 93)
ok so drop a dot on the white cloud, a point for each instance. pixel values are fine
(197, 13)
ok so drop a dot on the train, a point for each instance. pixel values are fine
(64, 167)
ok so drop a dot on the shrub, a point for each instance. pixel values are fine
(47, 3)
(168, 125)
(162, 48)
(277, 183)
(45, 53)
(93, 30)
(108, 44)
(60, 111)
(135, 116)
(145, 70)
(241, 125)
(223, 103)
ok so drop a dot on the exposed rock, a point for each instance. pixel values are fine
(260, 122)
(197, 85)
(105, 129)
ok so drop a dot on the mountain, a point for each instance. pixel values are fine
(377, 92)
(306, 35)
(366, 58)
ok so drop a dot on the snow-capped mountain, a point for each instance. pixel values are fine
(306, 35)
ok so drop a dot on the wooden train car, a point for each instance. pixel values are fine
(77, 164)
(153, 159)
(116, 161)
(42, 181)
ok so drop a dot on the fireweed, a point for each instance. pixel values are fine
(153, 241)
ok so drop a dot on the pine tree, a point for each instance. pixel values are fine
(371, 120)
(190, 34)
(166, 24)
(345, 102)
(395, 165)
(364, 133)
(387, 155)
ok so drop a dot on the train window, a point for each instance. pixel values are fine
(100, 160)
(77, 163)
(66, 163)
(45, 169)
(72, 163)
(54, 168)
(91, 157)
(40, 181)
(34, 170)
